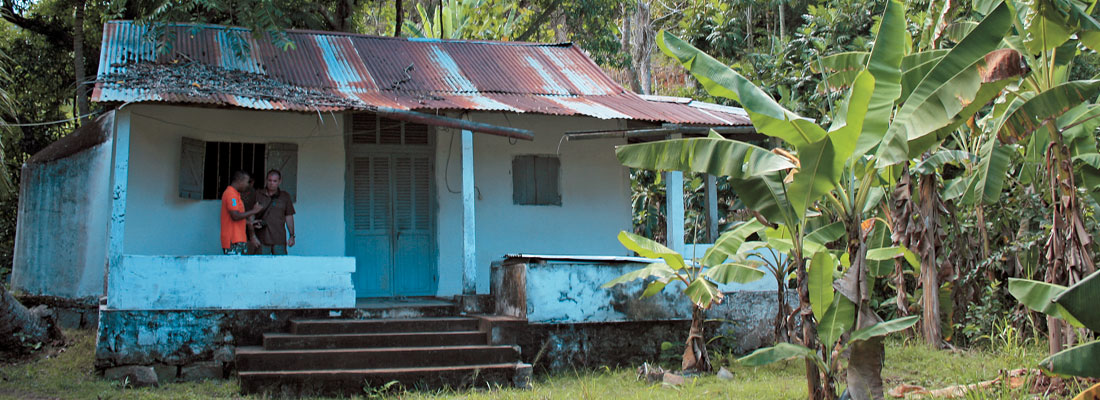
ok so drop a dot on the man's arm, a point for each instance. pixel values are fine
(290, 229)
(237, 215)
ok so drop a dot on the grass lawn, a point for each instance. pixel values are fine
(68, 374)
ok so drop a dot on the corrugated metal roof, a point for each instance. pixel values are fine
(331, 71)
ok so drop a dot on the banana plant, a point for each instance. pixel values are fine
(839, 170)
(1077, 306)
(1055, 119)
(700, 279)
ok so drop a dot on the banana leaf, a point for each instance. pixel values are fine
(885, 66)
(713, 155)
(1039, 296)
(930, 106)
(1050, 104)
(820, 284)
(883, 328)
(654, 270)
(729, 243)
(703, 293)
(780, 352)
(943, 157)
(1076, 361)
(989, 177)
(739, 272)
(651, 249)
(1082, 300)
(839, 318)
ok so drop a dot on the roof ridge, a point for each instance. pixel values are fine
(357, 35)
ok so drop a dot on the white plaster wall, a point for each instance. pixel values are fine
(159, 222)
(595, 192)
(230, 282)
(61, 241)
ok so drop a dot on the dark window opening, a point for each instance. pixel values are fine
(224, 158)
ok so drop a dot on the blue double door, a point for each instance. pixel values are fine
(391, 229)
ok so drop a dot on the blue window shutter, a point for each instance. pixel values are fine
(523, 180)
(192, 163)
(546, 180)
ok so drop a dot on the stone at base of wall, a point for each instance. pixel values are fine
(166, 373)
(71, 313)
(202, 370)
(133, 375)
(153, 375)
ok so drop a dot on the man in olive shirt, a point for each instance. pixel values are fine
(277, 218)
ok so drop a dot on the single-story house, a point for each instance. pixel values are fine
(415, 165)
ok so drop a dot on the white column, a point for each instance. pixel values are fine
(712, 208)
(674, 210)
(469, 243)
(116, 227)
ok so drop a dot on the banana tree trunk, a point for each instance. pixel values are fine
(1068, 248)
(866, 357)
(19, 326)
(815, 388)
(696, 357)
(902, 217)
(929, 271)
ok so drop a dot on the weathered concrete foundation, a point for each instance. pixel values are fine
(185, 337)
(573, 322)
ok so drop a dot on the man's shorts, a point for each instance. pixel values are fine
(273, 250)
(236, 249)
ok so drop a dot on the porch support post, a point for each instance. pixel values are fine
(674, 208)
(120, 159)
(469, 243)
(711, 189)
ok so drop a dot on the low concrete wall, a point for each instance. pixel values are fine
(230, 282)
(573, 322)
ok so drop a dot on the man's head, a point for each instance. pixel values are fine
(240, 180)
(274, 178)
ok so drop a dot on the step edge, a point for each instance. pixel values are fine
(370, 370)
(262, 350)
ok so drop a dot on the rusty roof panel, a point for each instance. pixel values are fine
(330, 71)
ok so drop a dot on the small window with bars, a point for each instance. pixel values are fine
(206, 168)
(367, 128)
(535, 180)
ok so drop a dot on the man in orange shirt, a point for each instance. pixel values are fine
(234, 217)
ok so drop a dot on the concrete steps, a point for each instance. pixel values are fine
(342, 356)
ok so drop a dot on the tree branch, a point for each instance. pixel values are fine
(534, 27)
(58, 35)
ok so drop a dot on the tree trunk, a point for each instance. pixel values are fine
(866, 357)
(78, 63)
(781, 312)
(696, 358)
(21, 327)
(782, 24)
(929, 271)
(1068, 248)
(814, 390)
(904, 234)
(642, 48)
(400, 17)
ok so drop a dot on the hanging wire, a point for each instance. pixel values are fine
(62, 121)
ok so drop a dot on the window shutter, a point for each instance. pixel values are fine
(192, 163)
(523, 180)
(284, 157)
(546, 180)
